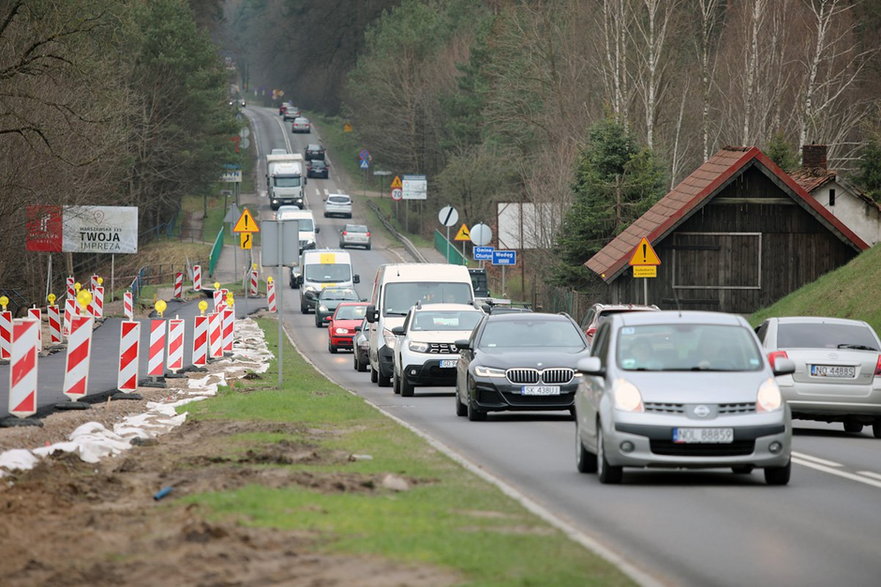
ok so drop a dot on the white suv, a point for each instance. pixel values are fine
(425, 350)
(338, 205)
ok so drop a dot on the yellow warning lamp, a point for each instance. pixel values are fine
(4, 301)
(51, 297)
(77, 286)
(100, 281)
(230, 299)
(84, 298)
(216, 285)
(203, 305)
(254, 266)
(160, 306)
(269, 279)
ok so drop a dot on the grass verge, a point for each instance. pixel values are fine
(448, 518)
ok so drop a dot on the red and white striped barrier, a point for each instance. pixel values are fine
(94, 282)
(175, 345)
(197, 277)
(5, 334)
(71, 290)
(37, 314)
(97, 305)
(229, 316)
(23, 369)
(129, 356)
(215, 335)
(156, 358)
(218, 298)
(128, 305)
(53, 315)
(270, 296)
(178, 286)
(200, 341)
(69, 313)
(254, 289)
(79, 349)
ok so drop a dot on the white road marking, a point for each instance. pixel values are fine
(838, 472)
(817, 460)
(871, 474)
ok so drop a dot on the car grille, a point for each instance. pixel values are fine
(442, 348)
(724, 409)
(675, 449)
(533, 376)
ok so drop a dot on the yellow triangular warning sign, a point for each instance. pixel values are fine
(246, 223)
(464, 234)
(644, 254)
(396, 183)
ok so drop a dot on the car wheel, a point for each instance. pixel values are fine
(383, 380)
(304, 309)
(742, 469)
(406, 387)
(607, 474)
(362, 367)
(372, 374)
(876, 428)
(355, 364)
(461, 409)
(396, 383)
(778, 475)
(853, 426)
(368, 247)
(317, 320)
(585, 461)
(332, 349)
(474, 414)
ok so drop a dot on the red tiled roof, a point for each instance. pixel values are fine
(811, 179)
(704, 182)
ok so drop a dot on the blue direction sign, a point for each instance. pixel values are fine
(483, 253)
(504, 257)
(364, 164)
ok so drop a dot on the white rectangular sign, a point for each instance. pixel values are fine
(100, 229)
(231, 176)
(415, 187)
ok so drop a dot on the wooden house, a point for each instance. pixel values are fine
(734, 236)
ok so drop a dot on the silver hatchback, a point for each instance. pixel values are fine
(680, 390)
(355, 235)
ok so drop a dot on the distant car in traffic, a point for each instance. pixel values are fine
(360, 346)
(680, 390)
(329, 299)
(355, 235)
(519, 361)
(282, 108)
(598, 312)
(314, 151)
(291, 112)
(425, 352)
(837, 369)
(301, 125)
(338, 205)
(317, 168)
(278, 151)
(341, 327)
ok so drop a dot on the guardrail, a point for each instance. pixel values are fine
(215, 252)
(411, 248)
(448, 249)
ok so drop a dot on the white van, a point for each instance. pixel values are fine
(306, 221)
(320, 269)
(398, 287)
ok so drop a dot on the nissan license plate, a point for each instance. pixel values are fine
(703, 435)
(448, 363)
(833, 371)
(540, 390)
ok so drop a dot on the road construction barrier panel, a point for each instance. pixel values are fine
(129, 355)
(175, 345)
(197, 277)
(229, 316)
(215, 335)
(53, 315)
(37, 314)
(69, 313)
(71, 290)
(79, 348)
(128, 305)
(156, 358)
(218, 298)
(254, 288)
(97, 305)
(94, 282)
(270, 295)
(23, 369)
(178, 286)
(5, 334)
(200, 341)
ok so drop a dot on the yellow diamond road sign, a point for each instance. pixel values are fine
(246, 223)
(397, 184)
(464, 234)
(644, 254)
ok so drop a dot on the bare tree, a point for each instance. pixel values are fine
(650, 37)
(706, 54)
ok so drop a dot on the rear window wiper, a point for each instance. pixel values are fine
(858, 347)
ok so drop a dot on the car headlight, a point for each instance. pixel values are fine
(768, 398)
(389, 338)
(418, 347)
(341, 330)
(627, 396)
(310, 288)
(482, 371)
(322, 308)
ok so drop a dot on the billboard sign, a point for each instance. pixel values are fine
(82, 229)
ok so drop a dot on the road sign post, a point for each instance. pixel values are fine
(448, 217)
(645, 263)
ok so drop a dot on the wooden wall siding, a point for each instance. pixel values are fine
(795, 249)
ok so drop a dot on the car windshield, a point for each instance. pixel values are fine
(339, 199)
(400, 297)
(687, 347)
(445, 320)
(351, 312)
(287, 181)
(338, 293)
(817, 335)
(328, 272)
(355, 228)
(318, 163)
(538, 332)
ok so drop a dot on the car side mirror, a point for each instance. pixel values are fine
(590, 366)
(463, 344)
(371, 314)
(356, 278)
(398, 331)
(358, 328)
(783, 366)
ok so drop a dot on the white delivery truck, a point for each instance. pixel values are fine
(396, 288)
(307, 231)
(286, 180)
(320, 269)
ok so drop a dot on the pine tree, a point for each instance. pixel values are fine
(869, 177)
(782, 153)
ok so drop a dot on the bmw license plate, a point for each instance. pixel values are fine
(833, 371)
(703, 435)
(540, 390)
(448, 363)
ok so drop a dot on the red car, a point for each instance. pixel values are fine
(341, 328)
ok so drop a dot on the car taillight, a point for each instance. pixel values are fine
(878, 367)
(591, 331)
(774, 355)
(345, 233)
(368, 234)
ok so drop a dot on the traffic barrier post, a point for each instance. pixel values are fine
(37, 314)
(254, 289)
(229, 316)
(69, 313)
(71, 290)
(23, 373)
(197, 277)
(76, 367)
(94, 282)
(128, 305)
(178, 286)
(129, 360)
(215, 336)
(97, 305)
(175, 347)
(270, 294)
(5, 334)
(200, 342)
(156, 356)
(53, 316)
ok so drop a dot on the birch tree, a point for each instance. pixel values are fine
(650, 43)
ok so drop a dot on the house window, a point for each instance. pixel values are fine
(832, 197)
